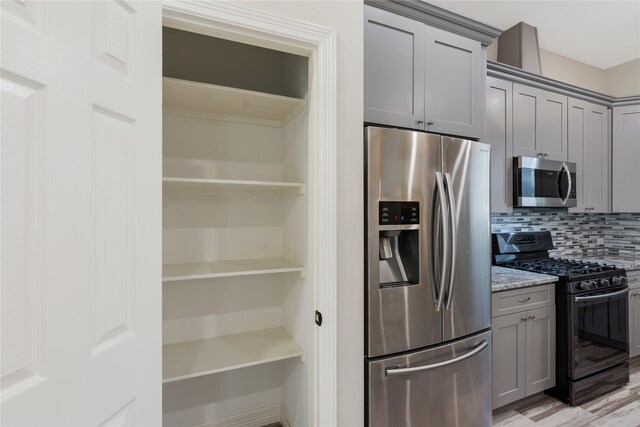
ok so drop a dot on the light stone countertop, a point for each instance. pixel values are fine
(503, 279)
(629, 264)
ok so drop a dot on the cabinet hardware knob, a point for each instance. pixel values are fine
(532, 316)
(524, 299)
(420, 120)
(523, 318)
(430, 122)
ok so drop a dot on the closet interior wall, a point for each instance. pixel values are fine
(236, 305)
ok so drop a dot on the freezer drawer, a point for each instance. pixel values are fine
(449, 385)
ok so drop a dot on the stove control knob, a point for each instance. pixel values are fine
(604, 283)
(586, 285)
(619, 281)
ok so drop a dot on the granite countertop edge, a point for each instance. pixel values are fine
(504, 279)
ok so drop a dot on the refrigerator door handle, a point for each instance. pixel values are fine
(390, 372)
(452, 234)
(443, 225)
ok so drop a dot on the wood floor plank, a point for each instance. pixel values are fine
(627, 416)
(568, 416)
(512, 419)
(610, 402)
(544, 409)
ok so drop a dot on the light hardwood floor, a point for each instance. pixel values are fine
(620, 408)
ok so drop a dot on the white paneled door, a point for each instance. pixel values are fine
(81, 213)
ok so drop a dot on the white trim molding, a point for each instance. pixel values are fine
(234, 22)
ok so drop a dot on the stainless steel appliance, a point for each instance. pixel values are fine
(592, 319)
(428, 286)
(543, 183)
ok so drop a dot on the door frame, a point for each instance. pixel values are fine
(237, 23)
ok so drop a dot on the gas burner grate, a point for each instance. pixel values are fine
(560, 267)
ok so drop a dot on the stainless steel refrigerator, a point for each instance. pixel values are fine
(428, 280)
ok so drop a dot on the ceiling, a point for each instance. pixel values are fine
(601, 33)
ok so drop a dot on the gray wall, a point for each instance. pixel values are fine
(227, 63)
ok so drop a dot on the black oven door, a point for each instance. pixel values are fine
(598, 334)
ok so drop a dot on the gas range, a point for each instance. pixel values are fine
(530, 251)
(581, 275)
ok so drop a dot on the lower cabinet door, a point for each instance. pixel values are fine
(509, 340)
(540, 350)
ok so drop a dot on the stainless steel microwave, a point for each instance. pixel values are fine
(542, 183)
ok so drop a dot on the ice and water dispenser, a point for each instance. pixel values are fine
(399, 228)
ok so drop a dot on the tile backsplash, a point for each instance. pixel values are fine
(622, 234)
(577, 234)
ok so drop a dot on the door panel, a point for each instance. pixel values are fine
(526, 121)
(541, 350)
(401, 166)
(458, 394)
(394, 64)
(81, 203)
(453, 88)
(553, 125)
(500, 137)
(626, 152)
(468, 294)
(597, 156)
(509, 340)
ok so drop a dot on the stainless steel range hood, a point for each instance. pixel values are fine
(518, 46)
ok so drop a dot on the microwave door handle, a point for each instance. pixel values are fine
(602, 296)
(569, 180)
(439, 188)
(391, 372)
(453, 247)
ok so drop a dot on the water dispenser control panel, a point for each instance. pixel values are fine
(396, 213)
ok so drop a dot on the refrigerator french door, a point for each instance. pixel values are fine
(428, 270)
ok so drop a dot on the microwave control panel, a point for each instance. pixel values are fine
(396, 213)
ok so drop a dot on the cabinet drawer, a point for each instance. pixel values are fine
(516, 300)
(634, 278)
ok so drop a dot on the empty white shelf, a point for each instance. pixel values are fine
(244, 267)
(226, 102)
(175, 185)
(213, 355)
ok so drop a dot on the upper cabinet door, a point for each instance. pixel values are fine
(588, 148)
(526, 122)
(499, 135)
(393, 69)
(553, 125)
(539, 123)
(81, 208)
(454, 79)
(626, 153)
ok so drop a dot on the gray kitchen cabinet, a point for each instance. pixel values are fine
(539, 123)
(626, 158)
(453, 86)
(498, 133)
(634, 313)
(420, 77)
(394, 78)
(524, 348)
(509, 341)
(589, 147)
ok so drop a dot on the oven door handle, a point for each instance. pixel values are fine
(390, 372)
(602, 296)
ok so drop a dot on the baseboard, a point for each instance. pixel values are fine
(284, 418)
(254, 418)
